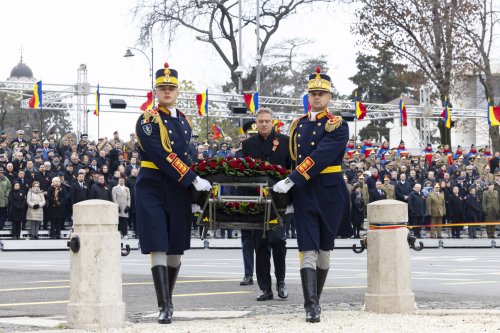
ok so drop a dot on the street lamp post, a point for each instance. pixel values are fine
(129, 53)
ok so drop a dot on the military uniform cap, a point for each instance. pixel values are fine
(319, 82)
(250, 127)
(166, 77)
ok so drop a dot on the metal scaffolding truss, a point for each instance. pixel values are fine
(63, 97)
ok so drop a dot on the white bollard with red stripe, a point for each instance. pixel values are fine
(388, 259)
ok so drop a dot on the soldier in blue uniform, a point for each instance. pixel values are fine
(163, 205)
(317, 143)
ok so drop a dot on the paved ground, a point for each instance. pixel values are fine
(36, 284)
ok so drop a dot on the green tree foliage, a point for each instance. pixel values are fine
(379, 80)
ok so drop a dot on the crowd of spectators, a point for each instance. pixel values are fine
(41, 179)
(439, 186)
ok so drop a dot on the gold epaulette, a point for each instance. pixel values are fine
(292, 146)
(333, 122)
(155, 116)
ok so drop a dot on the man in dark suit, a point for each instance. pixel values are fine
(416, 208)
(377, 193)
(79, 189)
(269, 146)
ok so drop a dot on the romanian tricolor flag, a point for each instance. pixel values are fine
(493, 114)
(150, 103)
(252, 101)
(35, 101)
(277, 124)
(446, 114)
(402, 112)
(202, 102)
(218, 133)
(97, 101)
(305, 101)
(240, 126)
(359, 107)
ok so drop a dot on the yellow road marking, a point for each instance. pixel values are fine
(346, 287)
(465, 283)
(125, 284)
(179, 295)
(34, 303)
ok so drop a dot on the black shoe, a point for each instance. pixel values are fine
(247, 281)
(266, 295)
(160, 279)
(173, 272)
(282, 290)
(308, 277)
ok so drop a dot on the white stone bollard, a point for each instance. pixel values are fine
(96, 273)
(389, 268)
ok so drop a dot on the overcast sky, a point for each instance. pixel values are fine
(57, 36)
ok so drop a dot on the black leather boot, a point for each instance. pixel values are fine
(322, 274)
(310, 290)
(173, 272)
(160, 279)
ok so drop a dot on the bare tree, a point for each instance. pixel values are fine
(424, 32)
(215, 22)
(481, 34)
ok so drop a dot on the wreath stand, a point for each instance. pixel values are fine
(261, 221)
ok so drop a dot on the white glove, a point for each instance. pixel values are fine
(195, 208)
(283, 186)
(289, 209)
(201, 184)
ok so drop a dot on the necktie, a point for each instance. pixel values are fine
(81, 185)
(380, 192)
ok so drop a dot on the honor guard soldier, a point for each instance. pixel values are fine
(317, 143)
(268, 145)
(163, 205)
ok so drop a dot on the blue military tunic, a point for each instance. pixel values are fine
(163, 205)
(319, 192)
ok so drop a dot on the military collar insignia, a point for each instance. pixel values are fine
(164, 110)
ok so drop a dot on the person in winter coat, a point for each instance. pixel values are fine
(57, 203)
(357, 210)
(456, 211)
(491, 209)
(472, 211)
(17, 204)
(34, 215)
(5, 187)
(100, 190)
(121, 196)
(416, 208)
(436, 209)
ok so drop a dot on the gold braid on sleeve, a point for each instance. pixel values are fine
(292, 145)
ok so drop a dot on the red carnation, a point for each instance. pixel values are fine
(262, 167)
(202, 168)
(236, 205)
(230, 205)
(212, 164)
(221, 163)
(233, 164)
(271, 167)
(282, 171)
(248, 159)
(251, 165)
(241, 167)
(229, 158)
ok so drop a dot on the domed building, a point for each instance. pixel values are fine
(21, 73)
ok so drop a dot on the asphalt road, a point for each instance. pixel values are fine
(36, 283)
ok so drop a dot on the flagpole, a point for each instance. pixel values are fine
(98, 125)
(355, 130)
(41, 119)
(207, 126)
(401, 126)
